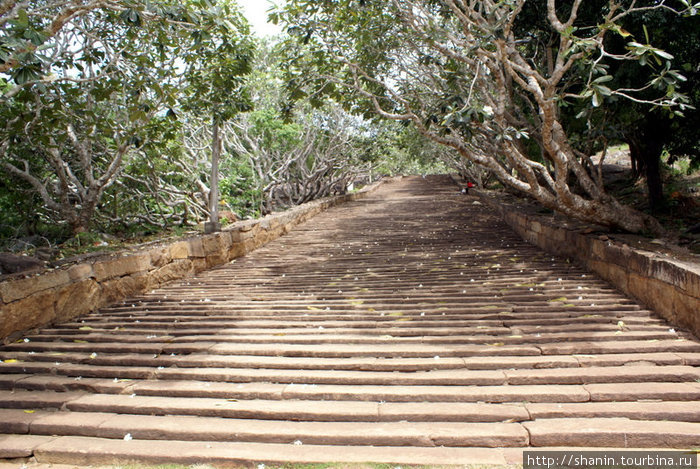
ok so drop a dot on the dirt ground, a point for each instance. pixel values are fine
(680, 218)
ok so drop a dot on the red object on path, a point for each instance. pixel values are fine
(470, 185)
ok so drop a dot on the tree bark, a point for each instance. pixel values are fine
(214, 185)
(654, 182)
(646, 145)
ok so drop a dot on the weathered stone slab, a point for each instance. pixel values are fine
(120, 288)
(611, 272)
(178, 268)
(160, 256)
(195, 247)
(657, 295)
(121, 266)
(80, 272)
(14, 290)
(617, 432)
(21, 446)
(179, 250)
(77, 299)
(669, 272)
(33, 311)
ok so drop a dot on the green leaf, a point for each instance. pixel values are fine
(603, 90)
(663, 54)
(603, 79)
(137, 115)
(22, 19)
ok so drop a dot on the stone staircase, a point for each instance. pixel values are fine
(411, 327)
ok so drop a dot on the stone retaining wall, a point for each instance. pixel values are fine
(668, 286)
(27, 302)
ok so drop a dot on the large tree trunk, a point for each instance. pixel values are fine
(646, 146)
(79, 221)
(654, 182)
(80, 217)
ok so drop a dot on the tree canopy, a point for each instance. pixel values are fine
(121, 114)
(490, 79)
(94, 85)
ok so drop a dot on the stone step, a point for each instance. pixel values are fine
(320, 337)
(186, 428)
(14, 447)
(282, 349)
(449, 377)
(604, 392)
(73, 450)
(233, 328)
(496, 347)
(445, 320)
(607, 392)
(37, 399)
(296, 300)
(201, 360)
(680, 411)
(269, 391)
(326, 411)
(555, 303)
(349, 300)
(613, 432)
(354, 310)
(19, 382)
(101, 451)
(458, 297)
(611, 374)
(345, 411)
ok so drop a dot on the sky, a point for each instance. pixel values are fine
(256, 12)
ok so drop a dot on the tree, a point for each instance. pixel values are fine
(300, 161)
(647, 130)
(220, 59)
(650, 132)
(92, 86)
(394, 148)
(461, 73)
(28, 26)
(72, 120)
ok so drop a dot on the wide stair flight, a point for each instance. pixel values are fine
(410, 327)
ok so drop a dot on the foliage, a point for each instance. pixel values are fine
(294, 162)
(217, 63)
(651, 132)
(294, 154)
(467, 77)
(398, 149)
(673, 67)
(91, 88)
(238, 188)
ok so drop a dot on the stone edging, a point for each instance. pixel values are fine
(668, 286)
(63, 294)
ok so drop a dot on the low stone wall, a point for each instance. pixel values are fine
(668, 286)
(27, 302)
